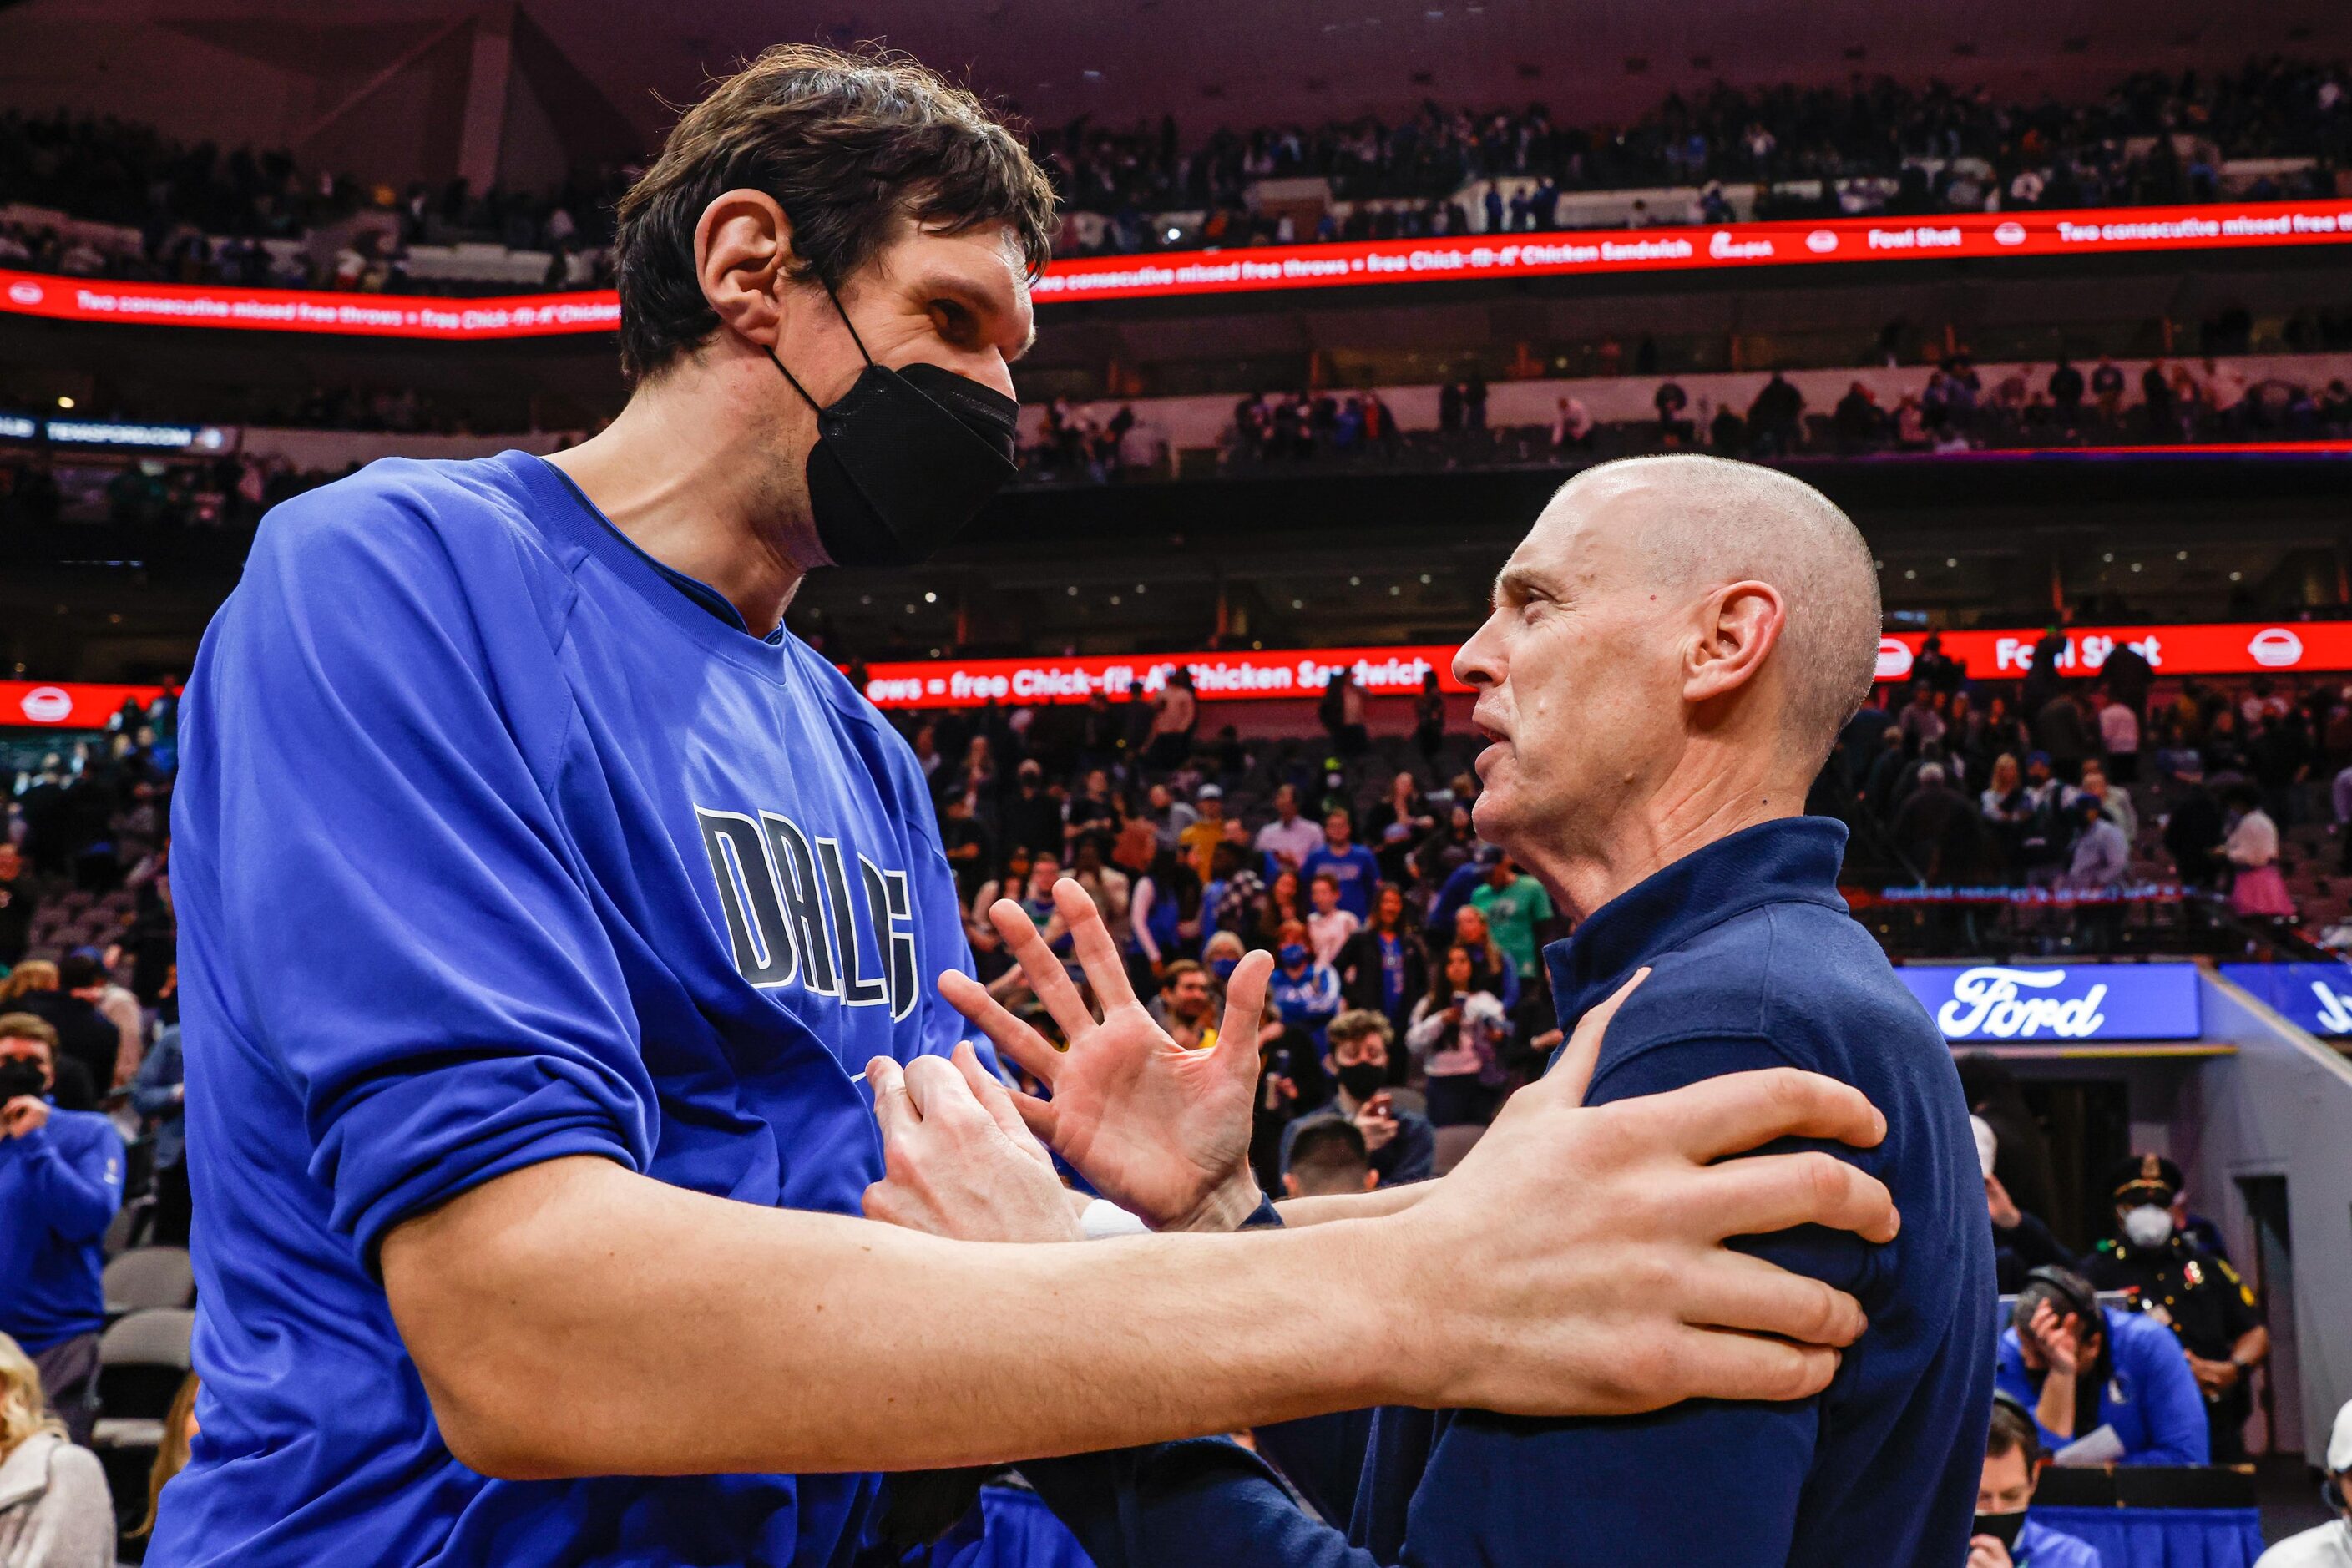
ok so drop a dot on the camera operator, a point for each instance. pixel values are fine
(2003, 1536)
(60, 1184)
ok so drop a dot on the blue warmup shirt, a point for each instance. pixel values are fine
(2150, 1397)
(2039, 1546)
(59, 1189)
(1755, 963)
(496, 842)
(1354, 869)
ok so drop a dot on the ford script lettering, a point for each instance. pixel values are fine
(1986, 1000)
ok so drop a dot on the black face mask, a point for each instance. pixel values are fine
(904, 461)
(19, 1077)
(2001, 1527)
(1362, 1079)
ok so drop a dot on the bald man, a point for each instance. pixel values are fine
(1670, 654)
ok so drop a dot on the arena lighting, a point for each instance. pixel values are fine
(2250, 648)
(2219, 225)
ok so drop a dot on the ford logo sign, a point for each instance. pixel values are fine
(1989, 999)
(2275, 648)
(2009, 234)
(1821, 242)
(25, 293)
(48, 705)
(1894, 658)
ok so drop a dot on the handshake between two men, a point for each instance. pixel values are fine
(1572, 1264)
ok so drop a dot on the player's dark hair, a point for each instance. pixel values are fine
(849, 146)
(2012, 1431)
(2067, 1292)
(1331, 1148)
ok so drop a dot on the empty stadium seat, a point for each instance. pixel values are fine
(141, 1362)
(148, 1277)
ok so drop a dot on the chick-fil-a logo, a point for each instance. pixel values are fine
(1986, 1001)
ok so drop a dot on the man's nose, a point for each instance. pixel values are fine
(1479, 662)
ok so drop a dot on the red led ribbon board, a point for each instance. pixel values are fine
(66, 705)
(1253, 270)
(2252, 647)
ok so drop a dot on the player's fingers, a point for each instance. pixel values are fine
(893, 1111)
(1572, 1074)
(1090, 939)
(1047, 976)
(941, 1095)
(1025, 1045)
(1245, 1007)
(1732, 1114)
(1734, 1290)
(1715, 1363)
(1038, 1115)
(1776, 1192)
(993, 1100)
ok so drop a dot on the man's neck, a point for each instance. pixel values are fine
(1704, 799)
(683, 473)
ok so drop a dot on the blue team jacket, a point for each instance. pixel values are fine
(2150, 1396)
(60, 1188)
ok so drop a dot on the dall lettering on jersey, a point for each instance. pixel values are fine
(791, 911)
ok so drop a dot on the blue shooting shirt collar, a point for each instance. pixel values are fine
(1791, 859)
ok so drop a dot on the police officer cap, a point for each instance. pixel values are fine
(2150, 1177)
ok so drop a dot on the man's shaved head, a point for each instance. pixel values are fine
(1671, 650)
(1705, 522)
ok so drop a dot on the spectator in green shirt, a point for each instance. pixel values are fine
(1515, 906)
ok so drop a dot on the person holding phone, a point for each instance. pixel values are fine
(1401, 1144)
(1458, 1030)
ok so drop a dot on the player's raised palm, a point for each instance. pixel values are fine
(1158, 1129)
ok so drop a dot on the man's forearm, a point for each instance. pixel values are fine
(575, 1319)
(2056, 1409)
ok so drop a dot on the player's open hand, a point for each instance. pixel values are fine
(956, 1159)
(1161, 1130)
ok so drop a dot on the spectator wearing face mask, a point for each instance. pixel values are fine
(2328, 1545)
(2004, 1537)
(2116, 1377)
(60, 1185)
(1401, 1143)
(2205, 1303)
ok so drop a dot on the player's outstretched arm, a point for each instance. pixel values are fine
(573, 1318)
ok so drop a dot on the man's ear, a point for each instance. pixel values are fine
(1372, 1180)
(1289, 1184)
(743, 247)
(1738, 626)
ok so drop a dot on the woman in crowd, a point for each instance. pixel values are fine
(2006, 808)
(1158, 927)
(1457, 1031)
(1283, 906)
(1105, 883)
(2257, 889)
(55, 1509)
(171, 1457)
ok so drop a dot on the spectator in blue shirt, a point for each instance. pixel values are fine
(2081, 1368)
(60, 1185)
(2005, 1537)
(1355, 870)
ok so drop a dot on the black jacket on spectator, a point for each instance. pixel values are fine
(85, 1036)
(1359, 973)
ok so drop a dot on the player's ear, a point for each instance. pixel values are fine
(742, 251)
(1372, 1180)
(1289, 1184)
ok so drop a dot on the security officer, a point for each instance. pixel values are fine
(2195, 1293)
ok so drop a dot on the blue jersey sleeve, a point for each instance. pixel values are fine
(405, 926)
(78, 1177)
(2177, 1429)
